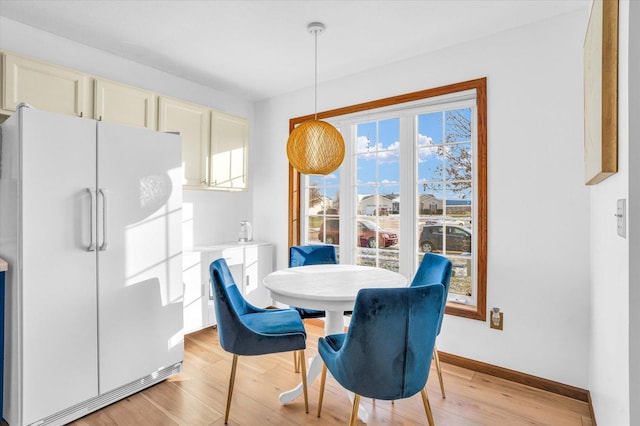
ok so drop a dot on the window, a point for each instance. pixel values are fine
(413, 181)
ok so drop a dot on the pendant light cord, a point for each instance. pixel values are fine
(316, 76)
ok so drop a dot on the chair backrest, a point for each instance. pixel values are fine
(434, 269)
(229, 305)
(312, 254)
(389, 344)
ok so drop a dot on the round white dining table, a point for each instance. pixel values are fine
(330, 288)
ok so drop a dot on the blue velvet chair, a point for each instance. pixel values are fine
(311, 254)
(382, 355)
(433, 270)
(244, 329)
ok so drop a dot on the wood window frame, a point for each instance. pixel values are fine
(477, 312)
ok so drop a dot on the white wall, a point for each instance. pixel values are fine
(634, 212)
(216, 215)
(615, 345)
(538, 267)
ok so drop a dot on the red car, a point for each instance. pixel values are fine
(367, 230)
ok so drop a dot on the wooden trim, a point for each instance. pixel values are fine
(517, 377)
(591, 411)
(394, 100)
(477, 312)
(294, 206)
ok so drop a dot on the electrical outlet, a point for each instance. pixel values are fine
(496, 319)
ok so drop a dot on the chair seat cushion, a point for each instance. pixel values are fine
(309, 313)
(274, 322)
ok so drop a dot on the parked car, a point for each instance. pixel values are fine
(457, 222)
(328, 212)
(457, 238)
(330, 233)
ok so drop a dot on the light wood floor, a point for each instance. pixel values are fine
(198, 396)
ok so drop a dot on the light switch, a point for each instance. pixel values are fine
(621, 215)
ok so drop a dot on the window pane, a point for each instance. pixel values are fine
(459, 164)
(445, 193)
(461, 276)
(458, 125)
(430, 128)
(431, 163)
(378, 193)
(323, 206)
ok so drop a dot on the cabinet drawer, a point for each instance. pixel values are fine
(233, 255)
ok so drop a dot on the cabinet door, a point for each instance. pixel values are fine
(192, 122)
(196, 291)
(229, 146)
(258, 264)
(121, 104)
(140, 259)
(58, 285)
(43, 86)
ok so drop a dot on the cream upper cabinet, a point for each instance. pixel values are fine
(122, 104)
(193, 123)
(43, 86)
(214, 144)
(229, 146)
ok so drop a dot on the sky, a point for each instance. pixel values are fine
(377, 157)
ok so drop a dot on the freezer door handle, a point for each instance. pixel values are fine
(103, 193)
(92, 241)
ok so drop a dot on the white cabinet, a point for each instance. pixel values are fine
(214, 144)
(249, 264)
(121, 104)
(193, 123)
(229, 149)
(43, 86)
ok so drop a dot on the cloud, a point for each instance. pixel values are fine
(369, 150)
(424, 140)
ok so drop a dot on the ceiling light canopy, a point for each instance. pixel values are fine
(315, 147)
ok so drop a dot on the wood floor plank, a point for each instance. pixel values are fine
(181, 407)
(197, 396)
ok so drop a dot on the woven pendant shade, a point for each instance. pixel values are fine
(315, 148)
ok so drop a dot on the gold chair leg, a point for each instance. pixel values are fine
(427, 407)
(437, 359)
(303, 372)
(234, 364)
(296, 364)
(354, 410)
(323, 378)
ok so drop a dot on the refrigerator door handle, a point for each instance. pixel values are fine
(92, 241)
(104, 245)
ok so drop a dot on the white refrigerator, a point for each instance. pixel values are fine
(90, 222)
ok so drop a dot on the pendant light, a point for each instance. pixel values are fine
(315, 147)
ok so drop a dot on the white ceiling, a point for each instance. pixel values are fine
(261, 48)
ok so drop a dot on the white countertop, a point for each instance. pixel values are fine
(3, 265)
(223, 245)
